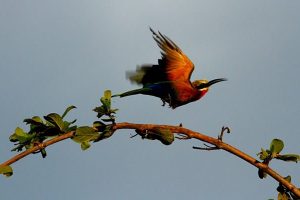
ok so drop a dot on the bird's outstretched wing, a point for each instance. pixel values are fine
(173, 66)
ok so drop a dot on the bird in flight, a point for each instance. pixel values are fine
(169, 80)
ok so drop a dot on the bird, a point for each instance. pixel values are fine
(169, 80)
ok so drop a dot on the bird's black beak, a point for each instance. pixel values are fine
(215, 81)
(206, 85)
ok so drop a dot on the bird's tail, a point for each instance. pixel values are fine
(133, 92)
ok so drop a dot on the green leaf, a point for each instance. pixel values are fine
(6, 170)
(288, 178)
(36, 124)
(167, 137)
(56, 120)
(18, 148)
(68, 110)
(276, 146)
(85, 134)
(100, 126)
(106, 99)
(262, 174)
(282, 196)
(34, 121)
(20, 136)
(105, 108)
(44, 153)
(14, 137)
(105, 134)
(37, 119)
(85, 145)
(263, 154)
(100, 111)
(66, 126)
(289, 157)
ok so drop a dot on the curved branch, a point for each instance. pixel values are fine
(218, 143)
(37, 148)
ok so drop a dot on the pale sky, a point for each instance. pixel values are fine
(59, 53)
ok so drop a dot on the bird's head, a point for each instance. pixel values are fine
(203, 85)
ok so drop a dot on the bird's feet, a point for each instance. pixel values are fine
(167, 99)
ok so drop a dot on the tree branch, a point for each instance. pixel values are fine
(189, 134)
(38, 147)
(217, 143)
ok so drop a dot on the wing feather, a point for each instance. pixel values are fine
(177, 66)
(173, 66)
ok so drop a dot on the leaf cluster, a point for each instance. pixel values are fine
(40, 129)
(276, 146)
(102, 128)
(53, 124)
(105, 109)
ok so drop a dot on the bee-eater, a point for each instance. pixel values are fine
(170, 78)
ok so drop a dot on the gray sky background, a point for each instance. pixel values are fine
(57, 53)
